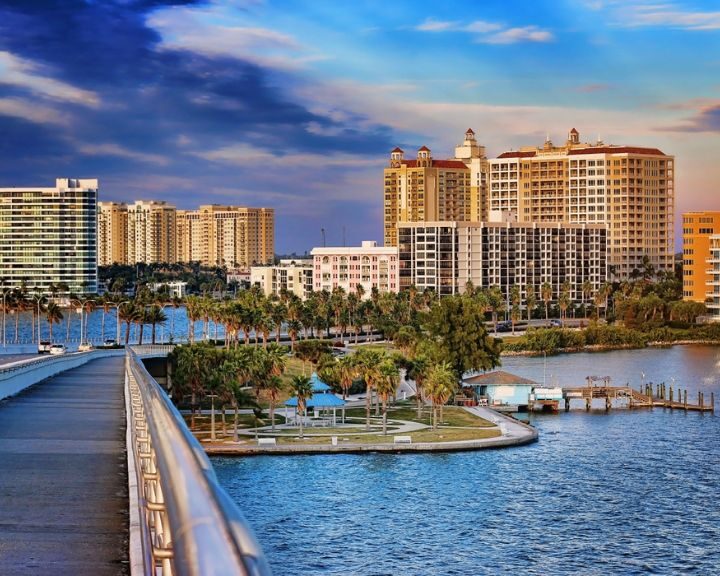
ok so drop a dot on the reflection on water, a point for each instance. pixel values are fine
(618, 493)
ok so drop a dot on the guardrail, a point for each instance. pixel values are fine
(186, 524)
(17, 376)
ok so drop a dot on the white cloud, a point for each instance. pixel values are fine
(112, 149)
(197, 30)
(31, 111)
(23, 73)
(488, 32)
(650, 13)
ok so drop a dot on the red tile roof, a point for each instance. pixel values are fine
(469, 131)
(517, 154)
(437, 164)
(424, 149)
(573, 131)
(617, 150)
(398, 149)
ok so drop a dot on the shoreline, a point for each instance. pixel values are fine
(523, 434)
(611, 347)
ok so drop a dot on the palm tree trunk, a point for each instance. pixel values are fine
(300, 412)
(368, 396)
(384, 416)
(235, 423)
(153, 333)
(51, 334)
(127, 333)
(142, 329)
(224, 426)
(272, 413)
(192, 411)
(213, 437)
(102, 327)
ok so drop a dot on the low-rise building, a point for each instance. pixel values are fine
(291, 276)
(368, 265)
(445, 256)
(175, 289)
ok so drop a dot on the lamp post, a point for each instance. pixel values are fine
(4, 296)
(117, 320)
(38, 299)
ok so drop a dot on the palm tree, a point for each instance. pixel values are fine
(587, 289)
(440, 385)
(515, 299)
(386, 386)
(367, 362)
(106, 304)
(175, 303)
(546, 293)
(54, 316)
(278, 314)
(530, 300)
(496, 303)
(417, 371)
(126, 312)
(273, 386)
(302, 389)
(192, 310)
(155, 315)
(564, 301)
(293, 328)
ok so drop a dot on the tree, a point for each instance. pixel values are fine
(54, 316)
(530, 300)
(564, 301)
(546, 293)
(454, 325)
(417, 372)
(440, 385)
(515, 299)
(386, 385)
(273, 386)
(368, 362)
(154, 316)
(587, 290)
(302, 390)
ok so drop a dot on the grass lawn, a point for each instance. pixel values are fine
(202, 423)
(452, 415)
(440, 435)
(378, 347)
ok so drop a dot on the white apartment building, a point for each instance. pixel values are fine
(444, 256)
(369, 265)
(292, 276)
(48, 236)
(713, 284)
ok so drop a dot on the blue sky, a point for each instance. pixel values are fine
(296, 104)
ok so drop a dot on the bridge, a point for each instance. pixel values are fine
(100, 475)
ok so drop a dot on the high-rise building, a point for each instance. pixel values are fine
(445, 256)
(698, 228)
(112, 231)
(629, 188)
(474, 157)
(369, 265)
(292, 276)
(426, 190)
(712, 291)
(151, 232)
(48, 237)
(233, 236)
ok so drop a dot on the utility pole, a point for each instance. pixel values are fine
(322, 231)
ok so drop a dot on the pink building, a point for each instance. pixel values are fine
(369, 265)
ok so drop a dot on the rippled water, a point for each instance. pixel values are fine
(618, 493)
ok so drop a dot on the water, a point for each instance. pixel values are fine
(619, 493)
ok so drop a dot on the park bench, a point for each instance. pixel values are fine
(267, 442)
(402, 440)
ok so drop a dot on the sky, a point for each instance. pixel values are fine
(296, 104)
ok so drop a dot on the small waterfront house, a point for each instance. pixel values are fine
(501, 388)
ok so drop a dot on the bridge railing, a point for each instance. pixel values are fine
(188, 525)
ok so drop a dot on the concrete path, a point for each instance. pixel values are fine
(63, 477)
(509, 427)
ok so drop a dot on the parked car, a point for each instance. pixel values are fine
(85, 347)
(504, 326)
(44, 346)
(555, 323)
(57, 349)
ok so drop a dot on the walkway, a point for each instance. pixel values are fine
(63, 478)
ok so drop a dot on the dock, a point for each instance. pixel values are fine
(648, 396)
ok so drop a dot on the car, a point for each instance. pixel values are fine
(44, 346)
(57, 349)
(555, 323)
(504, 326)
(110, 342)
(85, 347)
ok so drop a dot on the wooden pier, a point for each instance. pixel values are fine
(649, 396)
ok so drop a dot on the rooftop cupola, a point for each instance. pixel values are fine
(573, 137)
(396, 157)
(424, 156)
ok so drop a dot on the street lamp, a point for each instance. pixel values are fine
(4, 296)
(117, 320)
(38, 299)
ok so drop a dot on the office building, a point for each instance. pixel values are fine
(151, 232)
(698, 228)
(290, 276)
(369, 265)
(112, 230)
(629, 188)
(48, 237)
(445, 256)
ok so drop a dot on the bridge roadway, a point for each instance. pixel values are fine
(63, 475)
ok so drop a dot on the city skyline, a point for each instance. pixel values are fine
(296, 106)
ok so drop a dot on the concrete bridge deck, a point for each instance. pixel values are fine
(63, 475)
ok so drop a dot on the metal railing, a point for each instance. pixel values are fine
(188, 524)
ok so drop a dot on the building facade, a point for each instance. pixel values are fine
(712, 290)
(291, 276)
(48, 237)
(151, 232)
(232, 236)
(112, 230)
(698, 228)
(369, 265)
(629, 188)
(445, 256)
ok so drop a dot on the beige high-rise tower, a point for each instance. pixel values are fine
(629, 188)
(151, 232)
(232, 236)
(112, 233)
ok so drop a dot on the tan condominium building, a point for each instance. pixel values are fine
(629, 188)
(48, 237)
(445, 256)
(698, 229)
(289, 276)
(369, 266)
(151, 232)
(426, 190)
(232, 236)
(112, 230)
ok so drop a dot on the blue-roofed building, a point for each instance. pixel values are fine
(322, 401)
(502, 389)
